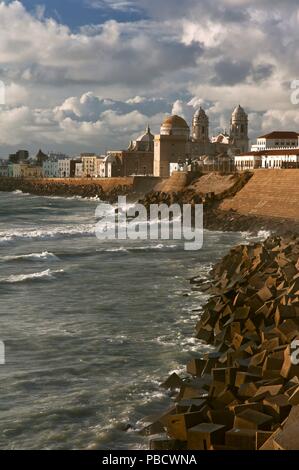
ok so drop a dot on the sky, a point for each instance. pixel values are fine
(89, 75)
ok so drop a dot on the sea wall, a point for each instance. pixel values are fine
(244, 395)
(106, 189)
(213, 191)
(269, 193)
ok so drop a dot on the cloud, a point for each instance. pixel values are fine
(228, 72)
(123, 6)
(98, 86)
(47, 53)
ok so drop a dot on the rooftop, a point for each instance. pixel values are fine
(280, 135)
(175, 121)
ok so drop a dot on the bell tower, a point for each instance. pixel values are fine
(200, 127)
(239, 129)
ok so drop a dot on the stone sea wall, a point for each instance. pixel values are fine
(269, 193)
(244, 395)
(106, 189)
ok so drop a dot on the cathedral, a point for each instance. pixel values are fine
(138, 159)
(176, 144)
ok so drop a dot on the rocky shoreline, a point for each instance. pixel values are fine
(245, 394)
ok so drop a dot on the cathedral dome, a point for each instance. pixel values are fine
(147, 137)
(175, 125)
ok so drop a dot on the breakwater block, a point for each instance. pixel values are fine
(245, 393)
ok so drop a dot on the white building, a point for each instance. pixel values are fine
(281, 158)
(105, 164)
(276, 140)
(17, 170)
(79, 170)
(271, 158)
(248, 161)
(64, 168)
(50, 168)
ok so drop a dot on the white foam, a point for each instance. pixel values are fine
(44, 256)
(154, 247)
(20, 193)
(121, 249)
(47, 274)
(47, 233)
(260, 236)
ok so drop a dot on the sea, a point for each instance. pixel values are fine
(91, 328)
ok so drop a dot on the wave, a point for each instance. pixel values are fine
(160, 246)
(73, 198)
(123, 249)
(47, 233)
(44, 256)
(19, 192)
(259, 236)
(17, 278)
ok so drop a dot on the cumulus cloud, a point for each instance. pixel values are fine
(98, 86)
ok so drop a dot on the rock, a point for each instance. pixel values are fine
(205, 435)
(248, 385)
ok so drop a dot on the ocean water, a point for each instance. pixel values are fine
(91, 328)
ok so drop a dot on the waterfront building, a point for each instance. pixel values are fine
(78, 169)
(10, 169)
(105, 165)
(269, 158)
(3, 168)
(89, 165)
(50, 168)
(64, 168)
(276, 140)
(73, 163)
(26, 170)
(101, 167)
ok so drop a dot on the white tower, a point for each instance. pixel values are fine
(239, 130)
(200, 127)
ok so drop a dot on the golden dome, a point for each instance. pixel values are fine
(175, 121)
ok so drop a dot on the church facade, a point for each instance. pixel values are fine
(138, 159)
(176, 144)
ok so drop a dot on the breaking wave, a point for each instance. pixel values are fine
(44, 256)
(16, 278)
(47, 233)
(129, 249)
(259, 236)
(19, 192)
